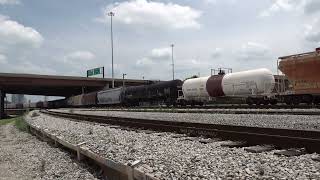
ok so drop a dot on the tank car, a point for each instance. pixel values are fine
(254, 85)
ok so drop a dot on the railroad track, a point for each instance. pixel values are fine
(242, 106)
(217, 111)
(282, 138)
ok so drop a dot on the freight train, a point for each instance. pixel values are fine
(255, 86)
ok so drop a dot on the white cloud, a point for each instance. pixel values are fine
(29, 67)
(312, 6)
(80, 56)
(155, 14)
(13, 33)
(283, 5)
(253, 51)
(79, 61)
(157, 55)
(312, 32)
(3, 59)
(217, 52)
(144, 62)
(9, 2)
(210, 1)
(161, 53)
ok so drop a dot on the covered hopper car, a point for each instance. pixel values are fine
(303, 72)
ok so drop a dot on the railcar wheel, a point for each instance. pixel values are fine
(296, 101)
(273, 101)
(249, 101)
(288, 100)
(265, 102)
(258, 102)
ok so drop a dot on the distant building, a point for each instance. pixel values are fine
(18, 98)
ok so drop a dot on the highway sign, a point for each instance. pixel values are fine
(95, 71)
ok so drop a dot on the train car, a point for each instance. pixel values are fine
(59, 103)
(110, 96)
(11, 106)
(75, 101)
(89, 99)
(303, 73)
(255, 85)
(165, 92)
(134, 95)
(39, 104)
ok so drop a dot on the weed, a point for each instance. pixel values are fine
(21, 124)
(6, 121)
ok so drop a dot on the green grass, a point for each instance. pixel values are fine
(6, 121)
(21, 124)
(17, 121)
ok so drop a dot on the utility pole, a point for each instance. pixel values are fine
(111, 14)
(123, 79)
(172, 45)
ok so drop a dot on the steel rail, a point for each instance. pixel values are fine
(242, 106)
(284, 138)
(216, 111)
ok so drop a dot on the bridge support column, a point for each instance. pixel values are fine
(2, 95)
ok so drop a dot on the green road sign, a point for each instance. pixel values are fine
(95, 71)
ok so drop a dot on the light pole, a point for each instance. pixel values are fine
(111, 14)
(172, 45)
(123, 79)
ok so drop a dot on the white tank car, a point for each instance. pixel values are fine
(195, 89)
(258, 82)
(248, 83)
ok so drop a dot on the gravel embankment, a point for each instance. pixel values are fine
(169, 156)
(23, 156)
(303, 122)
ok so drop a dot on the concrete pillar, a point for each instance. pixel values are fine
(2, 95)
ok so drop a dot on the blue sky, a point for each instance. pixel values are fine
(69, 37)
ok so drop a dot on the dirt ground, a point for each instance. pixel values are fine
(23, 156)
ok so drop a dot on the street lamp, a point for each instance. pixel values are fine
(111, 14)
(123, 79)
(172, 45)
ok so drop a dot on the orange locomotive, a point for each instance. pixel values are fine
(303, 71)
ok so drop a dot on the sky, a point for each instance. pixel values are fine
(68, 37)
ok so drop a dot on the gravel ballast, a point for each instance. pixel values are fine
(172, 156)
(303, 122)
(23, 156)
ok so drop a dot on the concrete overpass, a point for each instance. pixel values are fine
(47, 85)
